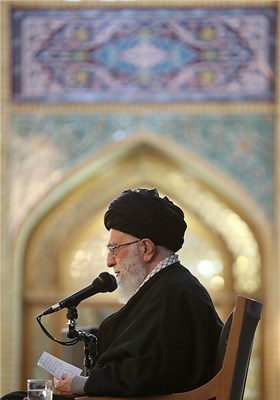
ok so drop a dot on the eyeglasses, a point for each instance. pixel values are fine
(113, 248)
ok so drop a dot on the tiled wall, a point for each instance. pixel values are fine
(78, 77)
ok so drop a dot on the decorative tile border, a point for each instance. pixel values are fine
(156, 55)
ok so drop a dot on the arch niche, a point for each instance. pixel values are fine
(65, 242)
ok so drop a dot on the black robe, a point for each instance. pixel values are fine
(162, 341)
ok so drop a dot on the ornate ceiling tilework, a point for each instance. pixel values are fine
(143, 55)
(44, 149)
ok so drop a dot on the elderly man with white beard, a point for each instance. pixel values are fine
(163, 340)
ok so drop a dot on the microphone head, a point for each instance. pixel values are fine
(108, 282)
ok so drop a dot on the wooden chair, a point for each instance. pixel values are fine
(232, 359)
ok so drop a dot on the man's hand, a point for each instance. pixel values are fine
(63, 385)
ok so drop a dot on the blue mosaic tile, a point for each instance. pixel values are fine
(239, 145)
(143, 55)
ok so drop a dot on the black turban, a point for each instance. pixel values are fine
(144, 214)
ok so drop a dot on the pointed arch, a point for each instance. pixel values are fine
(216, 208)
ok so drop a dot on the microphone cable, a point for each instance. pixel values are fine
(46, 332)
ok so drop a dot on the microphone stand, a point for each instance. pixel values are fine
(88, 338)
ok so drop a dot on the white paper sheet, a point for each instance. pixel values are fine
(56, 366)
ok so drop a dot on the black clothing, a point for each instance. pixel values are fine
(162, 341)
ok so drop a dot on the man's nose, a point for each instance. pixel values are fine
(110, 260)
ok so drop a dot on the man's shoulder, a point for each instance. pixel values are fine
(177, 278)
(178, 272)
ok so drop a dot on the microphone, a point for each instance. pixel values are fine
(103, 283)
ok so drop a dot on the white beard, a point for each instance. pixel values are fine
(131, 277)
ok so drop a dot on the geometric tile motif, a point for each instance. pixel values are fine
(143, 55)
(45, 148)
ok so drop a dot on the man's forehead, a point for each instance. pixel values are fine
(116, 235)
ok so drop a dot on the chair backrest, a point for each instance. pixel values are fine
(232, 359)
(239, 345)
(222, 345)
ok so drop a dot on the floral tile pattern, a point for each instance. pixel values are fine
(143, 55)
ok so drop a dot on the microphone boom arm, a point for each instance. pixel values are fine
(88, 338)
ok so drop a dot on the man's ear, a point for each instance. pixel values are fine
(148, 248)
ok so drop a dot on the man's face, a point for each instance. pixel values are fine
(127, 263)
